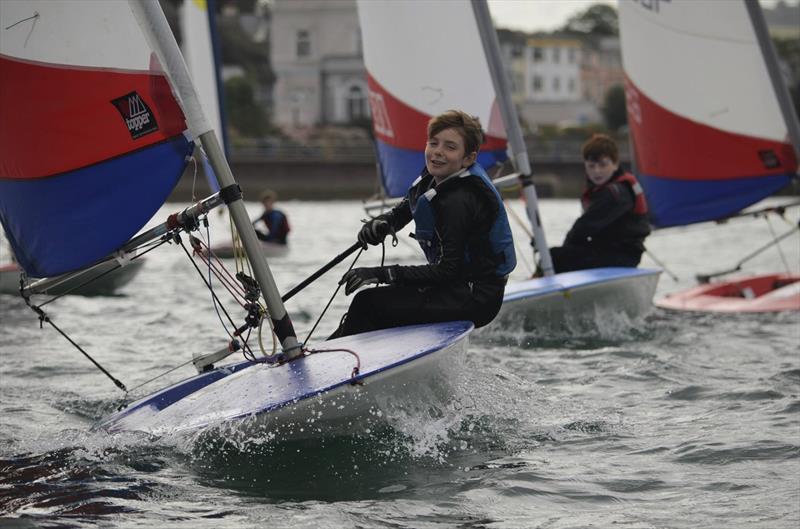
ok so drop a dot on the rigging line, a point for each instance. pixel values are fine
(159, 376)
(338, 287)
(43, 317)
(97, 277)
(214, 294)
(658, 261)
(777, 245)
(194, 179)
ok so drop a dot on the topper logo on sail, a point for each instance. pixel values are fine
(137, 115)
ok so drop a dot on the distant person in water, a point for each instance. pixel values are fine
(275, 221)
(461, 225)
(612, 229)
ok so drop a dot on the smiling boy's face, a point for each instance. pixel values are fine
(445, 154)
(600, 171)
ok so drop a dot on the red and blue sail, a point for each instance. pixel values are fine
(413, 78)
(708, 136)
(92, 139)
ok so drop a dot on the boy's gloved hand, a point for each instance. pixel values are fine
(373, 232)
(359, 277)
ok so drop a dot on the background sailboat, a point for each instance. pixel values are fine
(116, 64)
(201, 50)
(712, 126)
(414, 79)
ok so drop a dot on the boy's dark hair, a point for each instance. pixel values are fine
(599, 146)
(469, 127)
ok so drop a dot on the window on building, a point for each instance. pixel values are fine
(571, 55)
(303, 43)
(538, 54)
(556, 84)
(537, 83)
(516, 50)
(571, 85)
(556, 55)
(356, 104)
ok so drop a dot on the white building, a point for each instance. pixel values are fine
(553, 69)
(316, 56)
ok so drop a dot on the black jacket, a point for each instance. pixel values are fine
(609, 221)
(464, 215)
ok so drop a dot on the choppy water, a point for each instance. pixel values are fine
(676, 421)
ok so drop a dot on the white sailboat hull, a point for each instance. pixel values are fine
(314, 396)
(571, 298)
(108, 281)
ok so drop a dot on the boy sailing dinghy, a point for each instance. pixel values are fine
(412, 80)
(709, 148)
(124, 100)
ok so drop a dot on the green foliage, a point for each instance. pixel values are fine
(598, 20)
(243, 114)
(614, 111)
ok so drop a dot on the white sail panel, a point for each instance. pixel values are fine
(50, 31)
(430, 58)
(199, 55)
(700, 60)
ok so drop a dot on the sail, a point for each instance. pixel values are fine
(418, 67)
(201, 53)
(708, 135)
(92, 138)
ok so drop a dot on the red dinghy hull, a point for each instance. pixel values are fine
(765, 293)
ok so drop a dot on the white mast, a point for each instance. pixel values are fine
(154, 24)
(491, 47)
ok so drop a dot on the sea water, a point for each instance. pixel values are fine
(676, 420)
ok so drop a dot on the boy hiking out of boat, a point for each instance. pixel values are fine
(463, 231)
(274, 219)
(612, 229)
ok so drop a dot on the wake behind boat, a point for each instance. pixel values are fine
(119, 63)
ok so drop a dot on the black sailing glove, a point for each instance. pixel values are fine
(373, 232)
(359, 277)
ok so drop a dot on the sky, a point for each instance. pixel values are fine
(547, 15)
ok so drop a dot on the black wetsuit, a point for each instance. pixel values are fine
(449, 289)
(608, 233)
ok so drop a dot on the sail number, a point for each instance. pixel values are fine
(652, 5)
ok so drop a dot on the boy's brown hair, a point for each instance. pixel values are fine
(599, 146)
(469, 127)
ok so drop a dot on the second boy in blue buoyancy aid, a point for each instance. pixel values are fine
(612, 229)
(274, 220)
(463, 230)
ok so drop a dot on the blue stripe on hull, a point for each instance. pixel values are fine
(703, 200)
(65, 222)
(400, 167)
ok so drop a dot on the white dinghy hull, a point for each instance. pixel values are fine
(314, 396)
(575, 298)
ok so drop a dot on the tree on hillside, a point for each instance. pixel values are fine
(598, 20)
(244, 115)
(614, 111)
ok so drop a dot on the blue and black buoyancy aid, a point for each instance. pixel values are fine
(501, 242)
